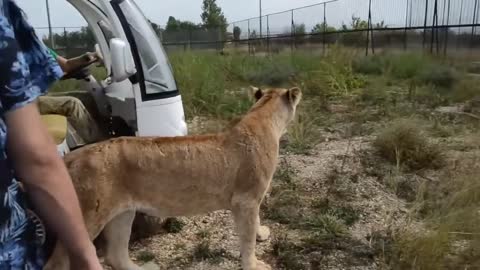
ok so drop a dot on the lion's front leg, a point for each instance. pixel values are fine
(117, 236)
(247, 224)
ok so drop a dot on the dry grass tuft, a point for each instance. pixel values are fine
(405, 144)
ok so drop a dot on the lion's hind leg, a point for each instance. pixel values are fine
(117, 236)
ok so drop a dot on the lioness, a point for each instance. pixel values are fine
(182, 176)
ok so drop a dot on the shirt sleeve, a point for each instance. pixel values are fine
(53, 53)
(24, 75)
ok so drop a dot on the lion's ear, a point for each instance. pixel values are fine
(256, 93)
(294, 95)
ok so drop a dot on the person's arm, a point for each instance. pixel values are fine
(46, 180)
(75, 64)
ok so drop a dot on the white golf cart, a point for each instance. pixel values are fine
(140, 89)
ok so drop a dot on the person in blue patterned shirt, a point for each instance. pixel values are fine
(28, 154)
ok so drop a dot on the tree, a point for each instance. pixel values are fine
(212, 15)
(299, 29)
(236, 33)
(356, 24)
(172, 24)
(299, 32)
(322, 27)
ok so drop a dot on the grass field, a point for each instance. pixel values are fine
(379, 127)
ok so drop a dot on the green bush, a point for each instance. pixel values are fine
(406, 66)
(438, 75)
(369, 65)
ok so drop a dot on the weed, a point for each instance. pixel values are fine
(326, 224)
(369, 65)
(173, 225)
(452, 234)
(285, 207)
(145, 256)
(204, 82)
(406, 65)
(303, 133)
(288, 254)
(439, 75)
(203, 234)
(271, 74)
(345, 213)
(465, 90)
(286, 174)
(404, 143)
(203, 251)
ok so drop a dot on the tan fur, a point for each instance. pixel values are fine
(182, 176)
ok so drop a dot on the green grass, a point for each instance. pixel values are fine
(75, 85)
(203, 251)
(173, 225)
(145, 256)
(288, 254)
(284, 207)
(344, 213)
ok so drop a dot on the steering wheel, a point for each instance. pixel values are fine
(82, 71)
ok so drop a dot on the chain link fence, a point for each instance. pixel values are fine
(439, 26)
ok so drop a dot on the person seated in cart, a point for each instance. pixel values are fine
(71, 107)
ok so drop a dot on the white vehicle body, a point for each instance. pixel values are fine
(140, 87)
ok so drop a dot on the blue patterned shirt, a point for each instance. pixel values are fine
(26, 71)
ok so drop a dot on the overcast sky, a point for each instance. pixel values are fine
(63, 14)
(392, 12)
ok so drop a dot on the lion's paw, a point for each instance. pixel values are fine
(262, 266)
(263, 233)
(257, 265)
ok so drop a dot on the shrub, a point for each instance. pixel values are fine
(270, 74)
(145, 256)
(465, 90)
(288, 254)
(285, 207)
(369, 65)
(438, 75)
(452, 238)
(406, 66)
(326, 224)
(404, 143)
(173, 225)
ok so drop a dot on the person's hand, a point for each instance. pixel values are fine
(91, 57)
(78, 75)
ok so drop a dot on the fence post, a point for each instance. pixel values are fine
(190, 39)
(324, 27)
(405, 34)
(248, 40)
(459, 23)
(474, 22)
(434, 26)
(268, 34)
(425, 25)
(447, 30)
(65, 36)
(369, 28)
(292, 35)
